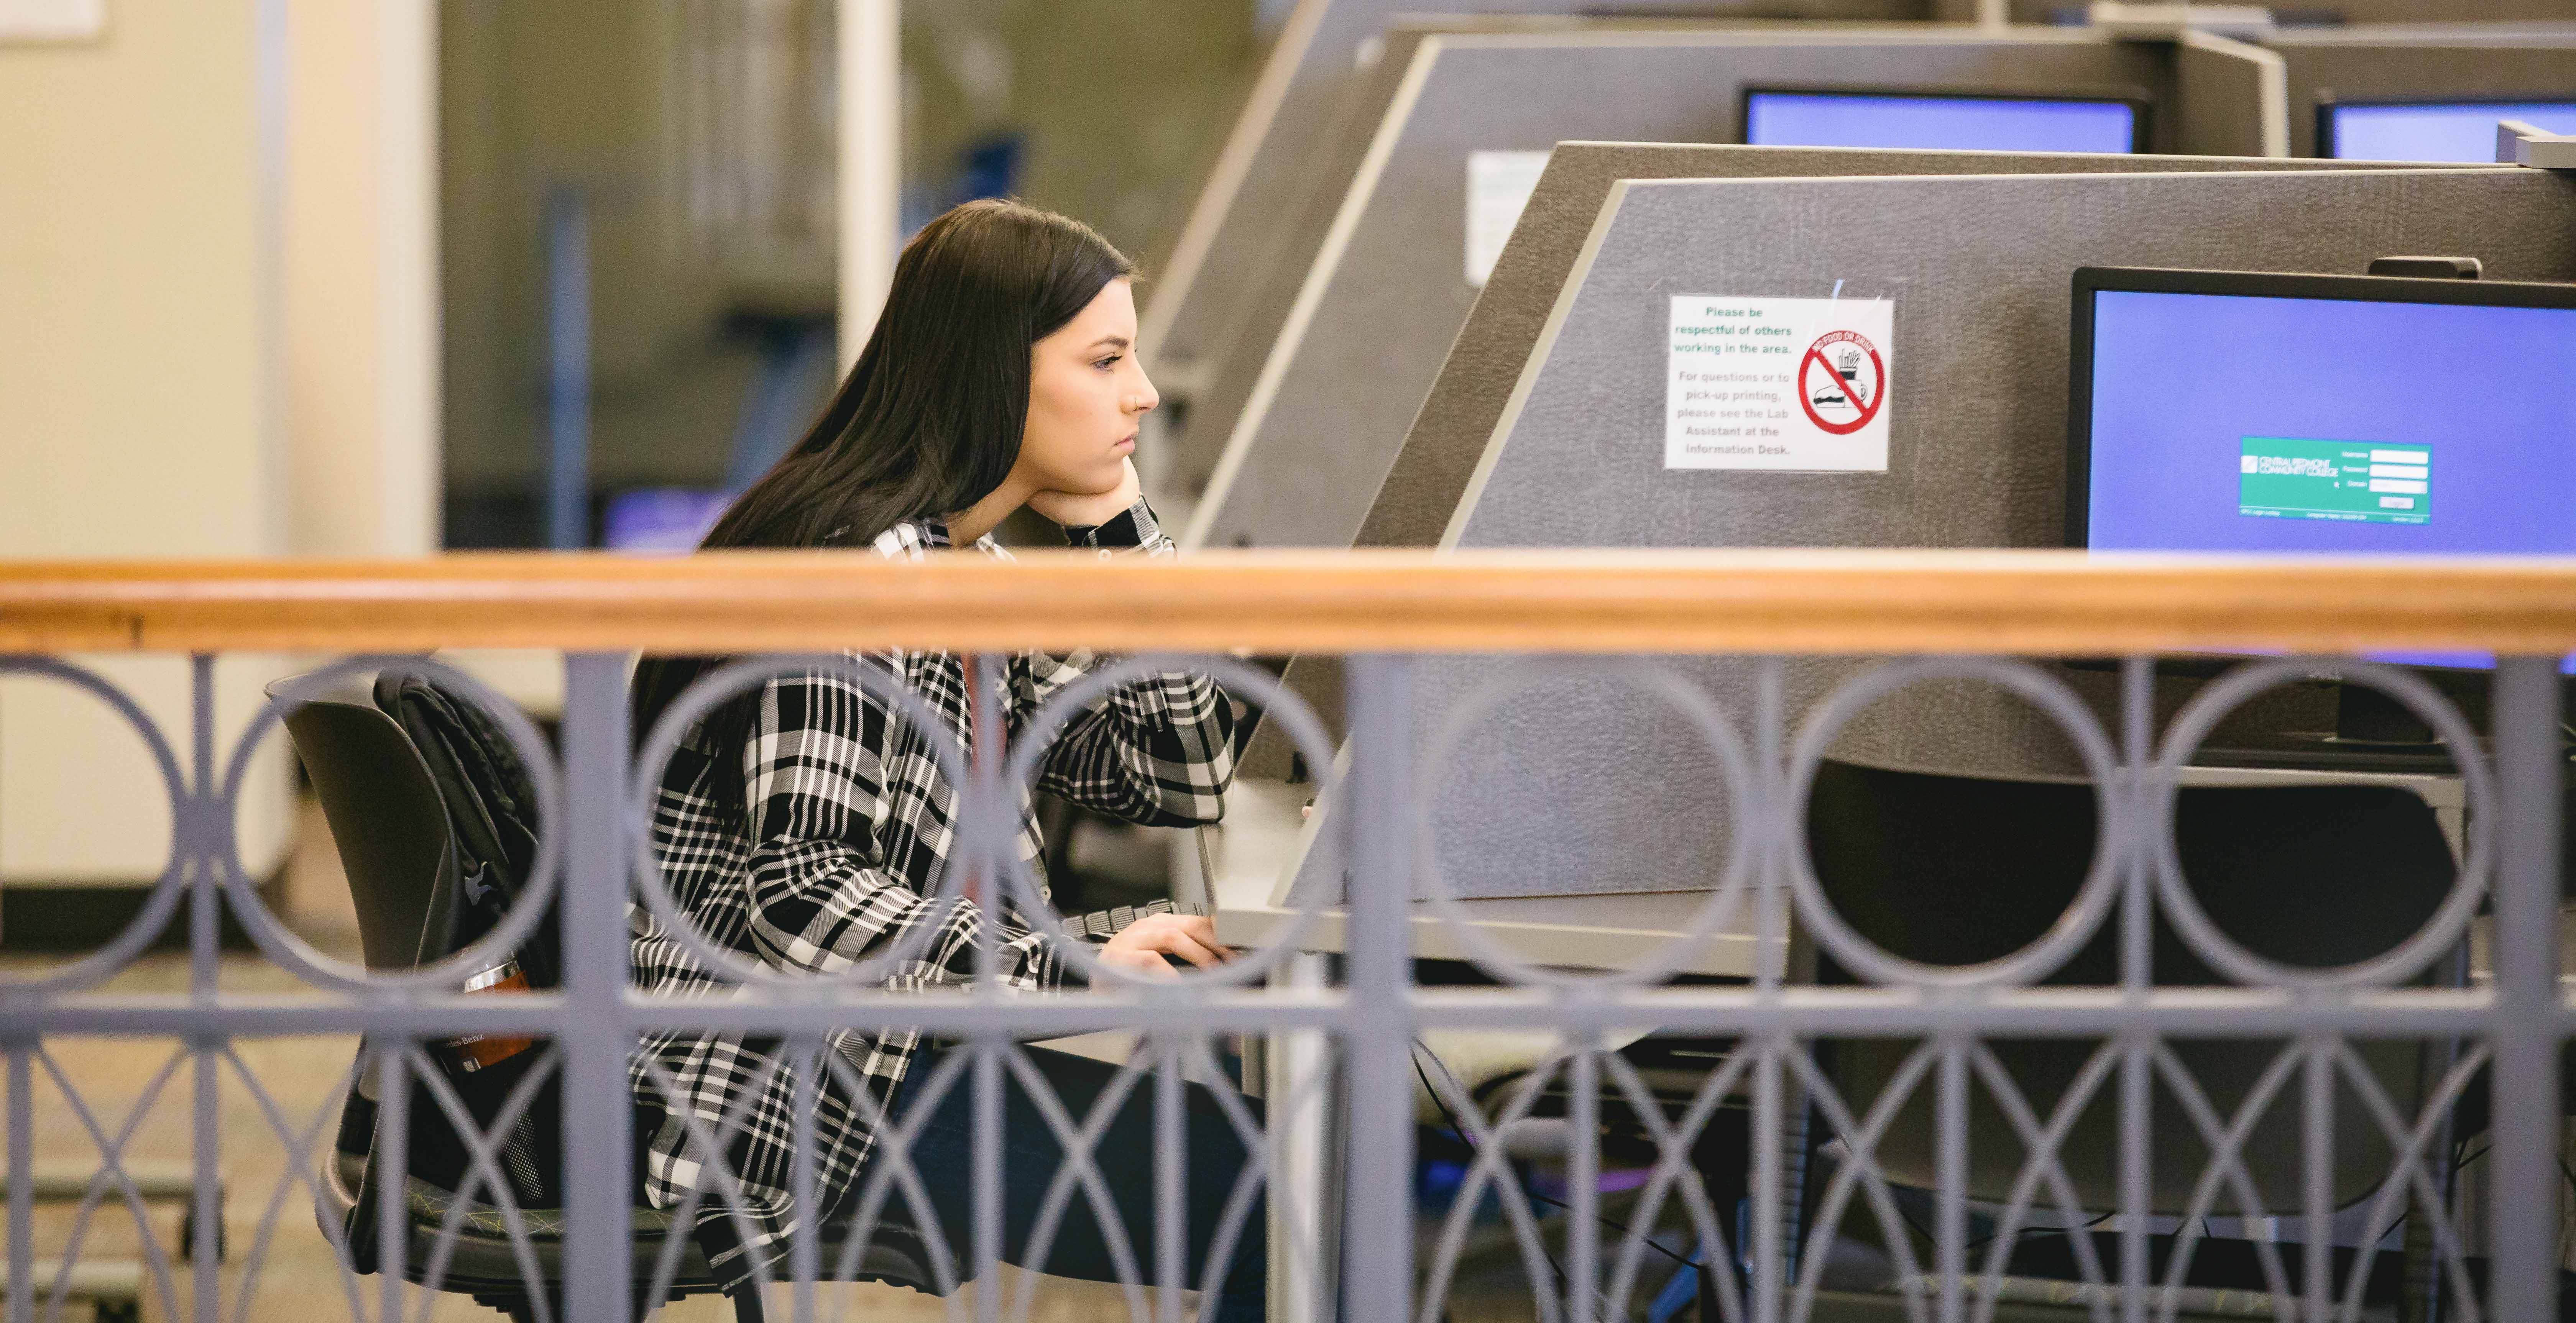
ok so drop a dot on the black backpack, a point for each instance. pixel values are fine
(491, 813)
(492, 826)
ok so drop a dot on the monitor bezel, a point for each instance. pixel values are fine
(2091, 280)
(2327, 101)
(2140, 103)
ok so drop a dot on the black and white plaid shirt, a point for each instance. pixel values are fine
(832, 857)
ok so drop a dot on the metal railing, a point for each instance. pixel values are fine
(1812, 1173)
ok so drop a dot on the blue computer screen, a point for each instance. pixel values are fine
(2237, 423)
(2463, 131)
(1960, 123)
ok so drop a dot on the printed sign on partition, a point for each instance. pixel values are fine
(1790, 384)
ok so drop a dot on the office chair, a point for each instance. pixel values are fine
(1957, 870)
(395, 841)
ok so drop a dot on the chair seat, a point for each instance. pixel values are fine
(482, 1262)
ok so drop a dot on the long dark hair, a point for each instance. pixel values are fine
(929, 420)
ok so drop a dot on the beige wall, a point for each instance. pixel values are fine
(361, 278)
(81, 801)
(131, 375)
(131, 388)
(133, 397)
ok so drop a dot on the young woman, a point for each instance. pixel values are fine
(805, 825)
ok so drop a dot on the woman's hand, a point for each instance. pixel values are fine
(1085, 509)
(1139, 948)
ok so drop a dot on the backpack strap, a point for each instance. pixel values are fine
(491, 809)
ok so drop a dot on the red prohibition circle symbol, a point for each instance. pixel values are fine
(1864, 401)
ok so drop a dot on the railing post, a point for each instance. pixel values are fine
(598, 1109)
(199, 835)
(2524, 1168)
(1778, 1168)
(22, 1183)
(1377, 1280)
(2137, 975)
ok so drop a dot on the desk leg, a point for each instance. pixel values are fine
(1302, 1281)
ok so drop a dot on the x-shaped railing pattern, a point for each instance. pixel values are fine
(1767, 1251)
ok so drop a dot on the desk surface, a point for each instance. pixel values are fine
(1251, 855)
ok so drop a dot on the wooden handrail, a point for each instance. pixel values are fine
(2031, 602)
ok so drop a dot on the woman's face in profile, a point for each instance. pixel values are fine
(1087, 395)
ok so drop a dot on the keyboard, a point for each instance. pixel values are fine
(1101, 925)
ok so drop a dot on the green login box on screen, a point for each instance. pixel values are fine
(2283, 477)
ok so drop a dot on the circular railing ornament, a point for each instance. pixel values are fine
(2429, 943)
(281, 944)
(2082, 917)
(653, 758)
(1736, 772)
(1028, 753)
(167, 889)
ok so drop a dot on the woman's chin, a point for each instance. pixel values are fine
(1090, 482)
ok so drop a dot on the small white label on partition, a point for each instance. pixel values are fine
(1499, 185)
(1788, 384)
(52, 20)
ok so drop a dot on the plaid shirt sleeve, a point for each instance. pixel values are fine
(1159, 751)
(827, 766)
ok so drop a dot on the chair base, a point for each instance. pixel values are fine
(483, 1262)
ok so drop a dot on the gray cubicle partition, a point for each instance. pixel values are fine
(1212, 318)
(1226, 315)
(1254, 186)
(1311, 424)
(1457, 417)
(1270, 159)
(1429, 473)
(1556, 789)
(2432, 60)
(2230, 99)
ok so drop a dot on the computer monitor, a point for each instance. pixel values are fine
(2459, 129)
(1958, 120)
(2236, 412)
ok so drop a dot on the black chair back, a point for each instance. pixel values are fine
(388, 823)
